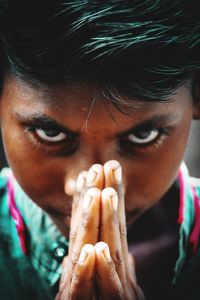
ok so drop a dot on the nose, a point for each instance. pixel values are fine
(75, 167)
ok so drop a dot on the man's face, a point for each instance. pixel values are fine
(51, 135)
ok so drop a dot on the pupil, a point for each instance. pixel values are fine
(143, 134)
(51, 132)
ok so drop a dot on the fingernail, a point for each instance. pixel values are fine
(80, 183)
(106, 253)
(91, 176)
(82, 256)
(114, 200)
(86, 201)
(117, 174)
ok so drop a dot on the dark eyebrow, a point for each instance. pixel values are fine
(154, 121)
(44, 121)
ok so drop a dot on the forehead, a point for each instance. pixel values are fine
(88, 102)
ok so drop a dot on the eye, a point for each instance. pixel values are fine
(52, 140)
(143, 136)
(50, 135)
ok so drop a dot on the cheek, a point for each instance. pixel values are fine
(149, 184)
(42, 178)
(148, 177)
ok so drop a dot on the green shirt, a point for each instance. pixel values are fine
(36, 275)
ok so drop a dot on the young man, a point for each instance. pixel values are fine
(96, 106)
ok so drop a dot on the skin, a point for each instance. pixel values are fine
(100, 145)
(99, 260)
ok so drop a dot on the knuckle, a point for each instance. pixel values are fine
(117, 257)
(73, 234)
(112, 273)
(115, 220)
(75, 283)
(71, 295)
(86, 223)
(118, 294)
(74, 258)
(88, 220)
(89, 226)
(123, 231)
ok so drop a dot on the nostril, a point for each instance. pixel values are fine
(70, 186)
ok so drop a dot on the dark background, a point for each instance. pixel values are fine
(192, 156)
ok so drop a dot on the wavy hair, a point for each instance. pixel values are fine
(142, 49)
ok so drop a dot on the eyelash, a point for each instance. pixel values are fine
(126, 146)
(49, 147)
(129, 146)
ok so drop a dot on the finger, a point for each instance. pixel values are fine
(81, 284)
(109, 230)
(64, 278)
(113, 173)
(80, 187)
(113, 178)
(89, 224)
(108, 281)
(131, 264)
(95, 176)
(84, 273)
(77, 207)
(88, 230)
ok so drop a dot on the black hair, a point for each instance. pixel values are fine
(143, 49)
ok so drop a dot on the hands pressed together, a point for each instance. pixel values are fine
(98, 265)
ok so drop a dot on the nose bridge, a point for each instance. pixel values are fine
(87, 157)
(82, 161)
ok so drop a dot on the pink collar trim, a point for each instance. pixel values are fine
(195, 234)
(16, 215)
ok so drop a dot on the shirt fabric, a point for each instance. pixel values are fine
(32, 271)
